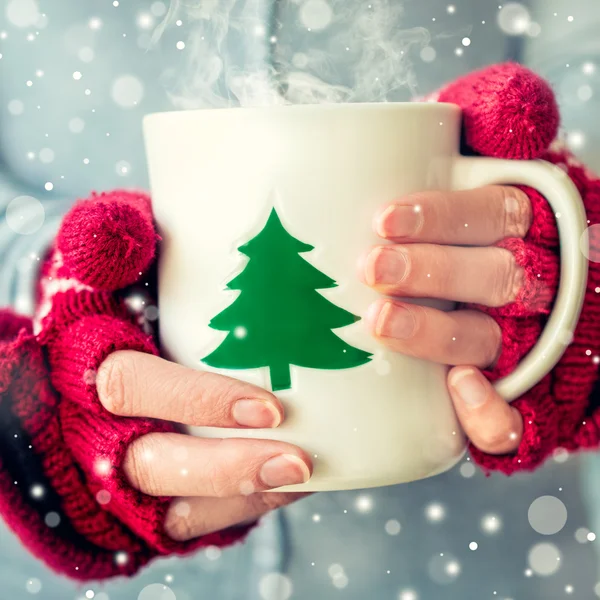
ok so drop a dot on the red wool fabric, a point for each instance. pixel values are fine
(63, 435)
(557, 412)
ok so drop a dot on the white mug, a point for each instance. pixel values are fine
(262, 210)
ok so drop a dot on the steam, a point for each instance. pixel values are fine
(319, 51)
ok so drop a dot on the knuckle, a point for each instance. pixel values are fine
(211, 405)
(178, 528)
(267, 502)
(492, 341)
(508, 278)
(117, 384)
(517, 212)
(137, 465)
(491, 439)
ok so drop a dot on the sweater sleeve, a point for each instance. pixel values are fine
(29, 220)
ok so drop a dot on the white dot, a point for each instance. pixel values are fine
(547, 515)
(121, 558)
(459, 52)
(212, 553)
(590, 243)
(408, 595)
(158, 9)
(514, 18)
(33, 586)
(467, 470)
(25, 215)
(123, 168)
(364, 504)
(145, 20)
(581, 535)
(435, 512)
(22, 13)
(585, 93)
(591, 537)
(473, 546)
(180, 45)
(179, 22)
(77, 75)
(127, 91)
(49, 186)
(102, 466)
(340, 581)
(544, 559)
(491, 523)
(576, 140)
(316, 14)
(52, 519)
(316, 518)
(86, 54)
(570, 19)
(466, 41)
(37, 491)
(16, 107)
(95, 23)
(89, 594)
(86, 161)
(156, 591)
(46, 155)
(29, 83)
(393, 527)
(444, 568)
(76, 125)
(240, 332)
(589, 68)
(428, 54)
(275, 586)
(116, 3)
(451, 9)
(103, 497)
(182, 509)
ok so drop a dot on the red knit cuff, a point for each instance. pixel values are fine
(541, 425)
(99, 443)
(540, 281)
(78, 351)
(519, 336)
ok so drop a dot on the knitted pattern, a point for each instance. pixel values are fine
(53, 420)
(61, 452)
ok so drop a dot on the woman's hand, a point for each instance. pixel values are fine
(442, 248)
(218, 483)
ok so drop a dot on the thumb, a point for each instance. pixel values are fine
(492, 425)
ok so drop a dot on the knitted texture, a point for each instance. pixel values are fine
(57, 436)
(508, 111)
(557, 412)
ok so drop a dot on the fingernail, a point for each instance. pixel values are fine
(256, 413)
(469, 387)
(386, 265)
(395, 322)
(285, 469)
(400, 221)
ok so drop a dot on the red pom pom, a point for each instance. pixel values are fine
(508, 111)
(108, 240)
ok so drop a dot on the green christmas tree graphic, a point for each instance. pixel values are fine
(280, 319)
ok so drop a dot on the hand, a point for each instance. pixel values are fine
(442, 248)
(218, 483)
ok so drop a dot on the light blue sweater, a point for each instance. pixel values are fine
(71, 103)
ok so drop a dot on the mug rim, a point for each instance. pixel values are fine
(356, 106)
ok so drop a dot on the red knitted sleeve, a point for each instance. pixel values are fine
(561, 411)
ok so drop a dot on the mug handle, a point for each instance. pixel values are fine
(562, 195)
